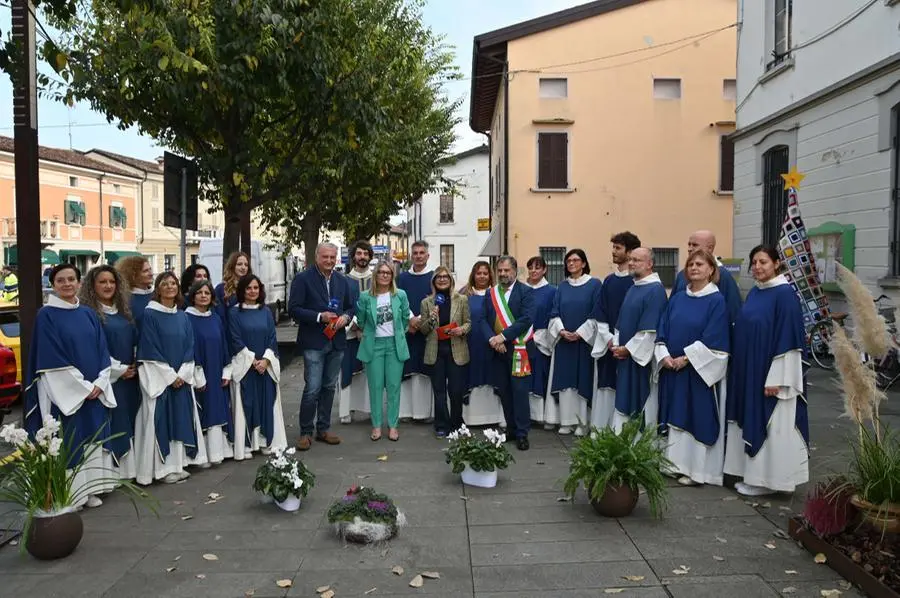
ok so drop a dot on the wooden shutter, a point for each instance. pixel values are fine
(553, 161)
(726, 164)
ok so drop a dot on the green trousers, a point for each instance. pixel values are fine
(385, 371)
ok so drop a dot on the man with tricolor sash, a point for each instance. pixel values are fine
(509, 311)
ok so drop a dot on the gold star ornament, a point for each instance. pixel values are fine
(793, 178)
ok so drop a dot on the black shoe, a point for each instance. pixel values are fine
(522, 443)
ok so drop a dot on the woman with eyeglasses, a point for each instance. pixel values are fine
(382, 314)
(446, 323)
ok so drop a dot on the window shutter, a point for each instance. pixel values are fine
(553, 167)
(726, 165)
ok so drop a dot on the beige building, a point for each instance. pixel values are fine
(606, 117)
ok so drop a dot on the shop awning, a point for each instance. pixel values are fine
(114, 256)
(65, 254)
(492, 245)
(11, 256)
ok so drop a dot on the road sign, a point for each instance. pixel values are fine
(380, 249)
(345, 257)
(173, 168)
(484, 224)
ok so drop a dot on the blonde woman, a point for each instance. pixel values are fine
(137, 276)
(481, 405)
(382, 314)
(446, 324)
(236, 267)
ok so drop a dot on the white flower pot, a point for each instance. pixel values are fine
(482, 479)
(291, 503)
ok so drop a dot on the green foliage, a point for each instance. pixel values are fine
(874, 469)
(480, 453)
(282, 476)
(632, 458)
(365, 503)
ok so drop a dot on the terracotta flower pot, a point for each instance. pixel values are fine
(886, 518)
(55, 536)
(617, 501)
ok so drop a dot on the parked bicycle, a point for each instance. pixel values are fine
(818, 337)
(887, 369)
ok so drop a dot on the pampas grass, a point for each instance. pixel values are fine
(857, 379)
(869, 328)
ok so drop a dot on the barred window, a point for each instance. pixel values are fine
(556, 264)
(446, 209)
(665, 262)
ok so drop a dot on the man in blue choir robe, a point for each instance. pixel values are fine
(416, 396)
(638, 319)
(704, 239)
(354, 394)
(606, 314)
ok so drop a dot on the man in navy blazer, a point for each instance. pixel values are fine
(513, 390)
(321, 303)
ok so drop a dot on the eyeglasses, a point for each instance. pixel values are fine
(442, 277)
(385, 274)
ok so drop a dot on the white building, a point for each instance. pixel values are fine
(449, 223)
(818, 87)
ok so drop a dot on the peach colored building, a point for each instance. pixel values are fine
(606, 117)
(87, 208)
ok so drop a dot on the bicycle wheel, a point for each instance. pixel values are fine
(818, 345)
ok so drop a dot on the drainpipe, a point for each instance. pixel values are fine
(141, 202)
(100, 181)
(506, 156)
(490, 211)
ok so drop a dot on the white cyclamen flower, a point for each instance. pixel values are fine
(13, 435)
(52, 425)
(55, 445)
(42, 436)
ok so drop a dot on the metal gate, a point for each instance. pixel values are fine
(775, 196)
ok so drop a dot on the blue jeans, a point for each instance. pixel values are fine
(321, 369)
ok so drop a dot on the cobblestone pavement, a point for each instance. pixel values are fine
(517, 540)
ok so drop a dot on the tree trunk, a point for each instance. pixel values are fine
(246, 220)
(232, 239)
(312, 224)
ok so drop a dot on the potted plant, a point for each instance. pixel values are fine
(365, 516)
(477, 459)
(41, 480)
(284, 479)
(613, 467)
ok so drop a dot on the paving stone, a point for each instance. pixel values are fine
(807, 589)
(574, 576)
(246, 540)
(596, 530)
(183, 584)
(650, 592)
(72, 585)
(616, 548)
(745, 586)
(355, 582)
(499, 515)
(769, 568)
(231, 559)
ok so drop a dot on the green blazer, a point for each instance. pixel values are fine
(459, 313)
(365, 319)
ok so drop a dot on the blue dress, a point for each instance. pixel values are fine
(417, 287)
(540, 363)
(727, 286)
(612, 295)
(138, 303)
(573, 366)
(223, 307)
(254, 330)
(121, 338)
(211, 352)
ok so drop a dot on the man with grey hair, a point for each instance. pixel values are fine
(322, 304)
(635, 341)
(509, 313)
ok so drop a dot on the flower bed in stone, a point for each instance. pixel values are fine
(364, 516)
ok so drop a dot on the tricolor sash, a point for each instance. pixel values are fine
(521, 366)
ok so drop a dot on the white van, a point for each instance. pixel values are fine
(275, 271)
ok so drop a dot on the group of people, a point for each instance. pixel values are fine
(165, 374)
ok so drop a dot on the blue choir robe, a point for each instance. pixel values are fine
(768, 437)
(223, 307)
(212, 366)
(68, 357)
(572, 367)
(691, 400)
(727, 286)
(635, 390)
(121, 338)
(354, 393)
(540, 353)
(168, 433)
(606, 315)
(258, 417)
(416, 395)
(140, 298)
(481, 406)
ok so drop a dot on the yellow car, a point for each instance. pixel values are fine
(9, 332)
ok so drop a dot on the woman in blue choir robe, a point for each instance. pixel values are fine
(103, 291)
(571, 331)
(256, 370)
(692, 350)
(481, 405)
(212, 373)
(168, 435)
(768, 429)
(539, 355)
(137, 274)
(236, 267)
(193, 273)
(68, 379)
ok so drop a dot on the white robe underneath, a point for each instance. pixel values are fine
(484, 408)
(355, 397)
(416, 398)
(240, 365)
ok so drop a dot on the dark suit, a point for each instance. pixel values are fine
(513, 390)
(310, 296)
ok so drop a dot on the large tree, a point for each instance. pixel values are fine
(271, 97)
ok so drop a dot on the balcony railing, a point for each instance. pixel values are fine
(50, 229)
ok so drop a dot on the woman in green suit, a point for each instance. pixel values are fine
(383, 316)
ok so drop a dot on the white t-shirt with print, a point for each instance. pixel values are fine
(384, 317)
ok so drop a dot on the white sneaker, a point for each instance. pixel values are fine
(266, 451)
(346, 419)
(687, 481)
(183, 475)
(93, 502)
(580, 431)
(564, 430)
(549, 427)
(171, 478)
(206, 465)
(748, 490)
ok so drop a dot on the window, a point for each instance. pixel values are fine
(726, 164)
(73, 181)
(446, 209)
(667, 89)
(553, 161)
(75, 212)
(168, 262)
(117, 217)
(775, 197)
(665, 263)
(729, 89)
(117, 188)
(895, 193)
(195, 258)
(781, 27)
(154, 216)
(154, 190)
(556, 265)
(448, 257)
(554, 88)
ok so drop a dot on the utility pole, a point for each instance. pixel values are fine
(102, 253)
(184, 182)
(28, 202)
